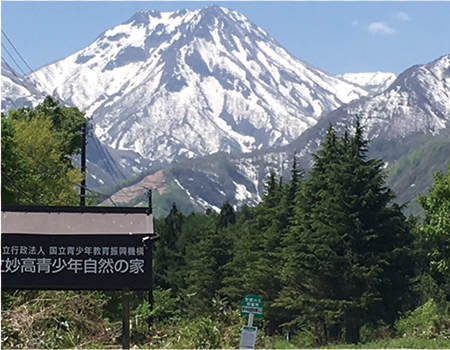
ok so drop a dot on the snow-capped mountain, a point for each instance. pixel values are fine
(190, 83)
(412, 114)
(373, 82)
(17, 91)
(418, 101)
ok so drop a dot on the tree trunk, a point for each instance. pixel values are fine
(335, 332)
(351, 333)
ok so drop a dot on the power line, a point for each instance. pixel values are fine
(19, 78)
(16, 51)
(107, 163)
(53, 94)
(114, 164)
(108, 157)
(111, 164)
(18, 66)
(104, 195)
(20, 189)
(12, 102)
(23, 60)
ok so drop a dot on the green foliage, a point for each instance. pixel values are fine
(407, 343)
(219, 329)
(437, 220)
(56, 320)
(205, 261)
(425, 322)
(257, 253)
(201, 333)
(168, 260)
(227, 216)
(329, 255)
(165, 307)
(36, 149)
(428, 287)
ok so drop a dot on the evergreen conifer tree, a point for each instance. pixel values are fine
(348, 243)
(205, 261)
(227, 216)
(168, 260)
(257, 257)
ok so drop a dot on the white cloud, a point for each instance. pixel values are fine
(355, 23)
(381, 28)
(402, 16)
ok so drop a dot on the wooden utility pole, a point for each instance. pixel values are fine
(150, 292)
(83, 166)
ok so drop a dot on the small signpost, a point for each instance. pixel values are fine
(252, 306)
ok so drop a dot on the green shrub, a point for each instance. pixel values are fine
(57, 319)
(201, 333)
(426, 322)
(165, 307)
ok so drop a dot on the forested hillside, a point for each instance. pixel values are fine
(329, 252)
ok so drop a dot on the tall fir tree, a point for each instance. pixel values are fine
(348, 243)
(205, 261)
(256, 262)
(227, 216)
(168, 260)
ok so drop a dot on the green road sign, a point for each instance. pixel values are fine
(252, 304)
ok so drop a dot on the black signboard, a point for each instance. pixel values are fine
(90, 262)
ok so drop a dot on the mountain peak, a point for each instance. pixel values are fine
(143, 17)
(214, 8)
(171, 85)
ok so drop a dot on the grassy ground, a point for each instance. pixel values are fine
(396, 343)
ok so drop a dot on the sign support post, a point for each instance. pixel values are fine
(126, 318)
(251, 316)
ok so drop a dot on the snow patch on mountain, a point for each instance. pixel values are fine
(374, 82)
(16, 91)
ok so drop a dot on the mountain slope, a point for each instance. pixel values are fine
(413, 173)
(409, 118)
(416, 103)
(184, 84)
(17, 91)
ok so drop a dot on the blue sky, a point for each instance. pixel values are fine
(337, 37)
